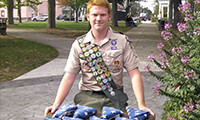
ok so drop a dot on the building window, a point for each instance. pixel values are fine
(2, 13)
(165, 12)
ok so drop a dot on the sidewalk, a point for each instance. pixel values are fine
(27, 96)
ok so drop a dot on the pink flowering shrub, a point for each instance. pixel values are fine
(180, 63)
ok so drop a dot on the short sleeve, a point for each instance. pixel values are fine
(73, 63)
(131, 60)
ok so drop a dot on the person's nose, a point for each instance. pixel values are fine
(98, 17)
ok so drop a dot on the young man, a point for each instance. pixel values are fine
(101, 56)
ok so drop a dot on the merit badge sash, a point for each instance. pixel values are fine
(92, 55)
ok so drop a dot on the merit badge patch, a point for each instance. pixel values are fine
(116, 62)
(113, 42)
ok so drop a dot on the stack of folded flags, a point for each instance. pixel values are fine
(79, 112)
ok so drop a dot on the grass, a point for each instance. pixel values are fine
(69, 29)
(18, 56)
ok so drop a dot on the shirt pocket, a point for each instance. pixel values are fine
(114, 59)
(84, 66)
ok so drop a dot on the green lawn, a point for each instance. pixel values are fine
(65, 28)
(19, 56)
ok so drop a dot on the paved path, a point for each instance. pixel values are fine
(26, 97)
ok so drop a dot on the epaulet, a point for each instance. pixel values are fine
(121, 33)
(130, 42)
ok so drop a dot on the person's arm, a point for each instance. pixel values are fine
(63, 90)
(137, 85)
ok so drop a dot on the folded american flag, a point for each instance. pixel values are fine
(109, 113)
(65, 110)
(137, 114)
(84, 112)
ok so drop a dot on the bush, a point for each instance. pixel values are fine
(154, 19)
(180, 61)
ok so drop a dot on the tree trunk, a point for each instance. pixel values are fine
(19, 11)
(170, 11)
(114, 13)
(19, 14)
(51, 14)
(177, 14)
(10, 11)
(127, 11)
(76, 15)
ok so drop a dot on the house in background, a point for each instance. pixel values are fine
(27, 12)
(164, 8)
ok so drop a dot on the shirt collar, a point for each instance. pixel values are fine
(89, 37)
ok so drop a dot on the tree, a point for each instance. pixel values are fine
(10, 5)
(170, 11)
(30, 3)
(3, 4)
(51, 14)
(177, 14)
(156, 10)
(74, 4)
(114, 13)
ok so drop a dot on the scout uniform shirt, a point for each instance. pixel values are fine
(117, 53)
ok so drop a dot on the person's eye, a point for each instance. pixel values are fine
(94, 15)
(103, 15)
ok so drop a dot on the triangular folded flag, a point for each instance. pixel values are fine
(122, 118)
(69, 118)
(65, 110)
(95, 118)
(84, 112)
(109, 113)
(48, 118)
(137, 114)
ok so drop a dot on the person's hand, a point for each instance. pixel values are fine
(51, 109)
(152, 114)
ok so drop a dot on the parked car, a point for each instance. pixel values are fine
(40, 18)
(62, 17)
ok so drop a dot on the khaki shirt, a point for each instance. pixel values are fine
(117, 54)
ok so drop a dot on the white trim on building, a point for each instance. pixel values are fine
(164, 5)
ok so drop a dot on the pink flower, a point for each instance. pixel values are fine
(170, 118)
(185, 59)
(197, 1)
(177, 51)
(166, 35)
(188, 107)
(162, 55)
(188, 17)
(198, 104)
(190, 75)
(185, 8)
(160, 45)
(148, 67)
(151, 57)
(164, 63)
(157, 88)
(180, 115)
(168, 26)
(182, 27)
(197, 31)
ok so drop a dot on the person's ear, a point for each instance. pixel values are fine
(88, 17)
(110, 17)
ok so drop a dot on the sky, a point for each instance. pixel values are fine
(149, 4)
